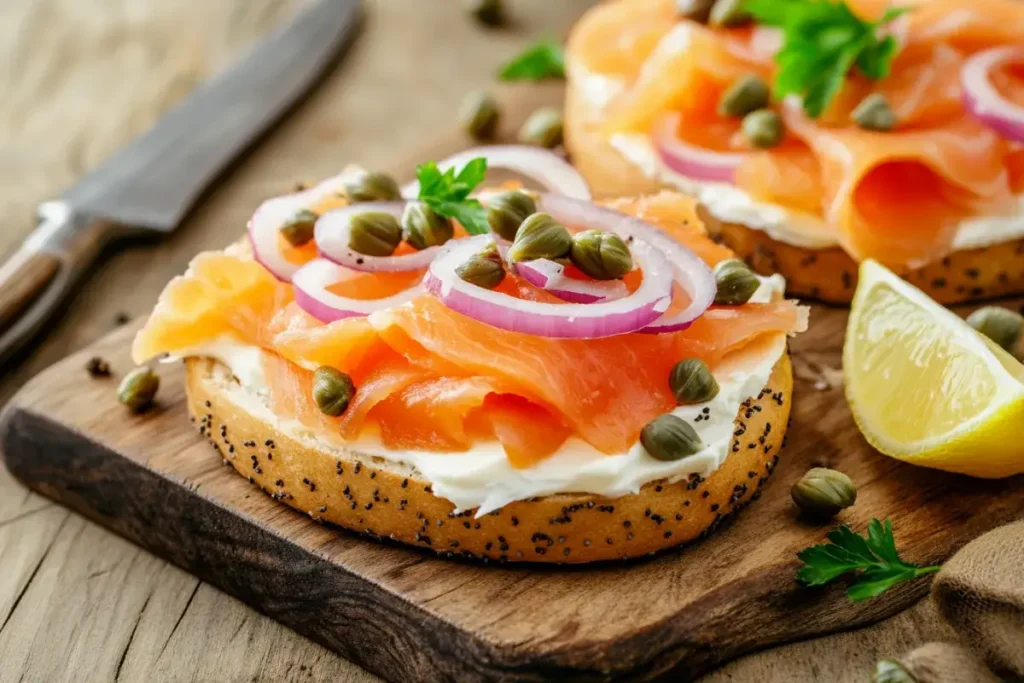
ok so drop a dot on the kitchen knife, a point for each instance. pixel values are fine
(147, 187)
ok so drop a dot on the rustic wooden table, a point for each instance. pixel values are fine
(79, 78)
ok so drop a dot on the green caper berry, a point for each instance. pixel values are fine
(691, 382)
(299, 228)
(747, 94)
(543, 128)
(873, 113)
(891, 671)
(670, 437)
(478, 115)
(422, 227)
(822, 493)
(728, 14)
(762, 128)
(484, 269)
(695, 10)
(332, 390)
(540, 236)
(601, 255)
(506, 211)
(999, 324)
(372, 187)
(488, 12)
(374, 233)
(736, 283)
(138, 388)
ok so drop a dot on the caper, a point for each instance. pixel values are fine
(821, 493)
(601, 255)
(478, 115)
(540, 236)
(484, 269)
(729, 13)
(138, 388)
(423, 227)
(298, 229)
(873, 113)
(543, 128)
(1001, 325)
(735, 281)
(369, 186)
(747, 94)
(374, 233)
(670, 437)
(489, 12)
(332, 390)
(762, 128)
(695, 10)
(692, 382)
(506, 211)
(891, 671)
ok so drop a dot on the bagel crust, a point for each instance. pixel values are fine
(828, 275)
(385, 499)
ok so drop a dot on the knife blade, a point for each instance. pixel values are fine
(150, 185)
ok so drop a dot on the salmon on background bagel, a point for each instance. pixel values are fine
(373, 366)
(917, 163)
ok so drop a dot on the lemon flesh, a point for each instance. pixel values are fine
(926, 388)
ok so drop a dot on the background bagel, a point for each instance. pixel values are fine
(385, 499)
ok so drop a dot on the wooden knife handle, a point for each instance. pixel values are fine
(24, 279)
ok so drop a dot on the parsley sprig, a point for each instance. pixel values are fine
(822, 42)
(448, 193)
(545, 59)
(873, 558)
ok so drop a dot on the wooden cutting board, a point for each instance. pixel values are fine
(411, 616)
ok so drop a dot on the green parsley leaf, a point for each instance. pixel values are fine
(448, 193)
(873, 560)
(822, 41)
(545, 59)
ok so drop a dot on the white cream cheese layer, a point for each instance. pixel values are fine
(482, 477)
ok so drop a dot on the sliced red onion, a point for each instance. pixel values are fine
(311, 294)
(579, 321)
(539, 165)
(265, 225)
(693, 162)
(332, 236)
(550, 276)
(690, 272)
(983, 100)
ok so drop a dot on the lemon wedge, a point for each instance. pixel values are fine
(926, 388)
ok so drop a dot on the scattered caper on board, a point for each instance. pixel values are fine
(540, 236)
(368, 186)
(747, 94)
(332, 390)
(823, 492)
(374, 233)
(762, 128)
(600, 254)
(891, 671)
(670, 437)
(422, 227)
(479, 115)
(543, 128)
(506, 211)
(298, 229)
(999, 324)
(484, 269)
(736, 283)
(487, 12)
(138, 389)
(873, 113)
(691, 382)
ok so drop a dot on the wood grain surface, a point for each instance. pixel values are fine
(81, 77)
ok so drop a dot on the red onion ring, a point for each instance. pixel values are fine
(550, 276)
(540, 165)
(982, 99)
(265, 225)
(332, 236)
(690, 272)
(311, 294)
(692, 162)
(578, 321)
